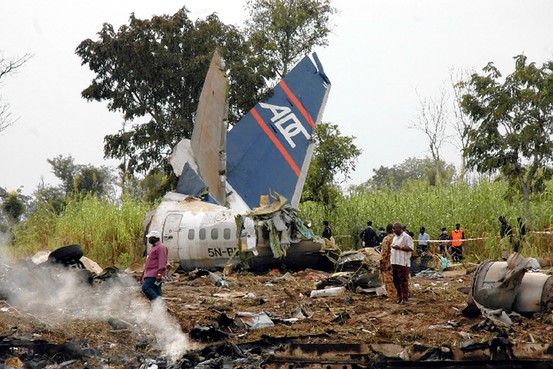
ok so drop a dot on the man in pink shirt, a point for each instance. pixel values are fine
(155, 269)
(400, 258)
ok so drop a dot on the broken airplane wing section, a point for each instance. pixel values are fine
(270, 149)
(200, 162)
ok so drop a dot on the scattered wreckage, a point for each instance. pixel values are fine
(213, 221)
(355, 276)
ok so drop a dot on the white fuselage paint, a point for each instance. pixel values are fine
(198, 234)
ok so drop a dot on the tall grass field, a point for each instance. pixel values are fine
(111, 233)
(476, 207)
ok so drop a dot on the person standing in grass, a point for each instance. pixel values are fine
(369, 236)
(155, 270)
(444, 245)
(457, 239)
(385, 263)
(423, 241)
(506, 234)
(522, 230)
(402, 249)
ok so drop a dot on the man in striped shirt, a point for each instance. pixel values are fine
(400, 258)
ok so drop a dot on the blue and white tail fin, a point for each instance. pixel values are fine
(270, 149)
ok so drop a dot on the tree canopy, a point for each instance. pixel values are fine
(283, 31)
(78, 178)
(155, 68)
(411, 169)
(513, 131)
(333, 155)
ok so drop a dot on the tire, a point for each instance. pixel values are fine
(66, 254)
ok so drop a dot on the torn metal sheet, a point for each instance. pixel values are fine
(255, 320)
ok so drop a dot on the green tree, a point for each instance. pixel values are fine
(284, 31)
(513, 132)
(77, 178)
(8, 66)
(65, 169)
(333, 155)
(51, 196)
(13, 206)
(92, 180)
(155, 68)
(412, 169)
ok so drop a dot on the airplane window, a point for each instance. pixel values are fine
(214, 233)
(226, 233)
(202, 233)
(190, 234)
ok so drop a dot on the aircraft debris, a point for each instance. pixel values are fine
(216, 168)
(329, 291)
(500, 288)
(255, 320)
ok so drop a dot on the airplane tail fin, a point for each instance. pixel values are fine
(270, 148)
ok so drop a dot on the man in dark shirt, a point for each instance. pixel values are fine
(444, 246)
(506, 233)
(369, 236)
(327, 231)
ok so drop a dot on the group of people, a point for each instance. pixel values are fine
(451, 243)
(395, 242)
(396, 251)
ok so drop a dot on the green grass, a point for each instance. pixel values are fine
(109, 233)
(475, 207)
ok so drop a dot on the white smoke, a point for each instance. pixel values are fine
(57, 294)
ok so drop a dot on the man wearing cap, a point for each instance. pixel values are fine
(155, 269)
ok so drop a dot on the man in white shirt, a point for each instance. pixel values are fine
(402, 248)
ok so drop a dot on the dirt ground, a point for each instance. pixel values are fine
(349, 318)
(210, 314)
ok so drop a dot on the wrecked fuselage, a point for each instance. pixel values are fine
(199, 234)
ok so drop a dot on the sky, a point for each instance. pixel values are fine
(383, 57)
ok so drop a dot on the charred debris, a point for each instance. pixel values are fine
(502, 300)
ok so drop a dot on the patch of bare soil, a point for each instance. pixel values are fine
(212, 314)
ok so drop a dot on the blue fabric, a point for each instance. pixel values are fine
(150, 289)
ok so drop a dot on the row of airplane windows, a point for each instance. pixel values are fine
(202, 233)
